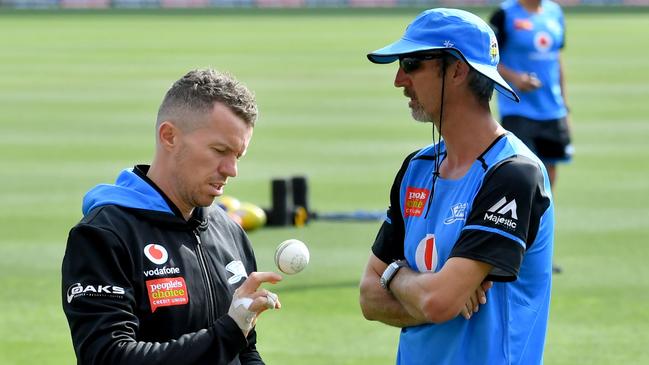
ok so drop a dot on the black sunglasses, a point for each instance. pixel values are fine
(412, 63)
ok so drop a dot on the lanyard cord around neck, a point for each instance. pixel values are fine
(437, 143)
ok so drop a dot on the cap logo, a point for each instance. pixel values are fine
(493, 49)
(448, 44)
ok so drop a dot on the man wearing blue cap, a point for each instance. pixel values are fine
(472, 208)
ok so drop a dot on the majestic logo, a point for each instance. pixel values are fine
(415, 201)
(458, 213)
(496, 214)
(156, 253)
(502, 207)
(426, 254)
(167, 292)
(78, 290)
(238, 272)
(542, 41)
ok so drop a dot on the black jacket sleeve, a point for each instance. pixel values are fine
(99, 303)
(250, 356)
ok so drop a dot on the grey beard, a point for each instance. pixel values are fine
(420, 115)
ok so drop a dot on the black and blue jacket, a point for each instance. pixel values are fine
(142, 285)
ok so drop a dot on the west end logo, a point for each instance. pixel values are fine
(156, 253)
(415, 201)
(426, 254)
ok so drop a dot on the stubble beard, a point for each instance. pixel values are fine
(417, 110)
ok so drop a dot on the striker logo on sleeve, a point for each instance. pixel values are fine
(415, 201)
(458, 213)
(238, 272)
(426, 254)
(156, 253)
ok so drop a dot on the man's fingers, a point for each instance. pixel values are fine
(486, 285)
(475, 305)
(482, 297)
(255, 279)
(466, 311)
(273, 301)
(263, 302)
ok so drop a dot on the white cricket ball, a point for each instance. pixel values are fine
(291, 256)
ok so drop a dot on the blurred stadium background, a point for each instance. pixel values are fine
(78, 96)
(131, 4)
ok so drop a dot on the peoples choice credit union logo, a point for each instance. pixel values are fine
(415, 201)
(167, 292)
(156, 253)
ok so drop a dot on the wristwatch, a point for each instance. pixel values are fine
(390, 272)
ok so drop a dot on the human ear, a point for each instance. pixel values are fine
(462, 70)
(167, 134)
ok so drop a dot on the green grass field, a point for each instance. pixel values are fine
(78, 97)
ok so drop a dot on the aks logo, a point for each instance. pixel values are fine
(426, 255)
(156, 253)
(237, 270)
(77, 290)
(543, 41)
(415, 201)
(167, 292)
(497, 214)
(458, 213)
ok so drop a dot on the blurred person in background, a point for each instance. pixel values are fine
(152, 273)
(471, 208)
(531, 35)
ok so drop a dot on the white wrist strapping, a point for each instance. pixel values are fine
(240, 313)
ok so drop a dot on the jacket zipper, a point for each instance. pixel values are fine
(206, 276)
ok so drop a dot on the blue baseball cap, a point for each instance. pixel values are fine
(458, 32)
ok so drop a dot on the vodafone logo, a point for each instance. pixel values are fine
(543, 41)
(156, 253)
(426, 254)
